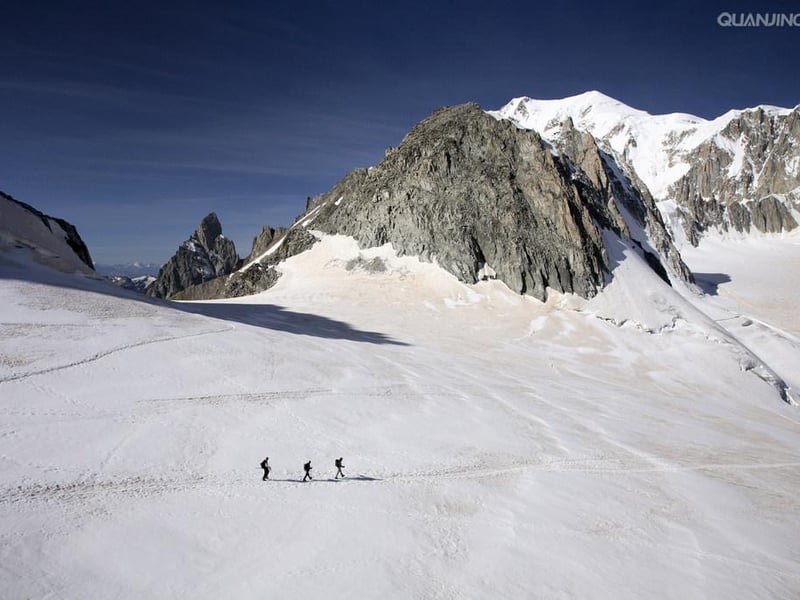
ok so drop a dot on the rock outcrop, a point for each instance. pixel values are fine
(479, 195)
(207, 254)
(264, 240)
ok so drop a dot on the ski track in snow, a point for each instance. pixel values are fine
(105, 353)
(81, 490)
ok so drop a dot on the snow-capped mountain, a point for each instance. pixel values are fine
(736, 172)
(50, 240)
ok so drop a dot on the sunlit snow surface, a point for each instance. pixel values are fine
(655, 145)
(495, 446)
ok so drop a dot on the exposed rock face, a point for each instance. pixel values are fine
(205, 255)
(473, 192)
(770, 214)
(26, 225)
(297, 240)
(254, 278)
(264, 240)
(750, 181)
(643, 222)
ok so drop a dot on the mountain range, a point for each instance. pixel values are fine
(540, 386)
(532, 194)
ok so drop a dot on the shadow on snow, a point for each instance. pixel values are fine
(267, 316)
(278, 318)
(710, 282)
(329, 480)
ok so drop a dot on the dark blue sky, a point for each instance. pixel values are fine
(133, 120)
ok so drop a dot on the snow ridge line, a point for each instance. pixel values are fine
(104, 353)
(750, 362)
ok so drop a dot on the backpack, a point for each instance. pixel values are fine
(338, 463)
(307, 466)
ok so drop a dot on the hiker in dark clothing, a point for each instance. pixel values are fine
(339, 465)
(307, 468)
(266, 467)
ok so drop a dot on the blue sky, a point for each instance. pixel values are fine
(133, 120)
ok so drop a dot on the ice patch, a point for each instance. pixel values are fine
(486, 272)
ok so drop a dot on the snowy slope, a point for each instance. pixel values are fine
(43, 236)
(654, 145)
(497, 447)
(741, 277)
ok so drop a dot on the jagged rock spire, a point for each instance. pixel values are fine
(207, 254)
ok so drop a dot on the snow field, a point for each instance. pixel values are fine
(495, 446)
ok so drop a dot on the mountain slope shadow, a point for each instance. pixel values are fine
(268, 316)
(710, 282)
(279, 318)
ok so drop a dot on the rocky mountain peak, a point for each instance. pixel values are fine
(207, 254)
